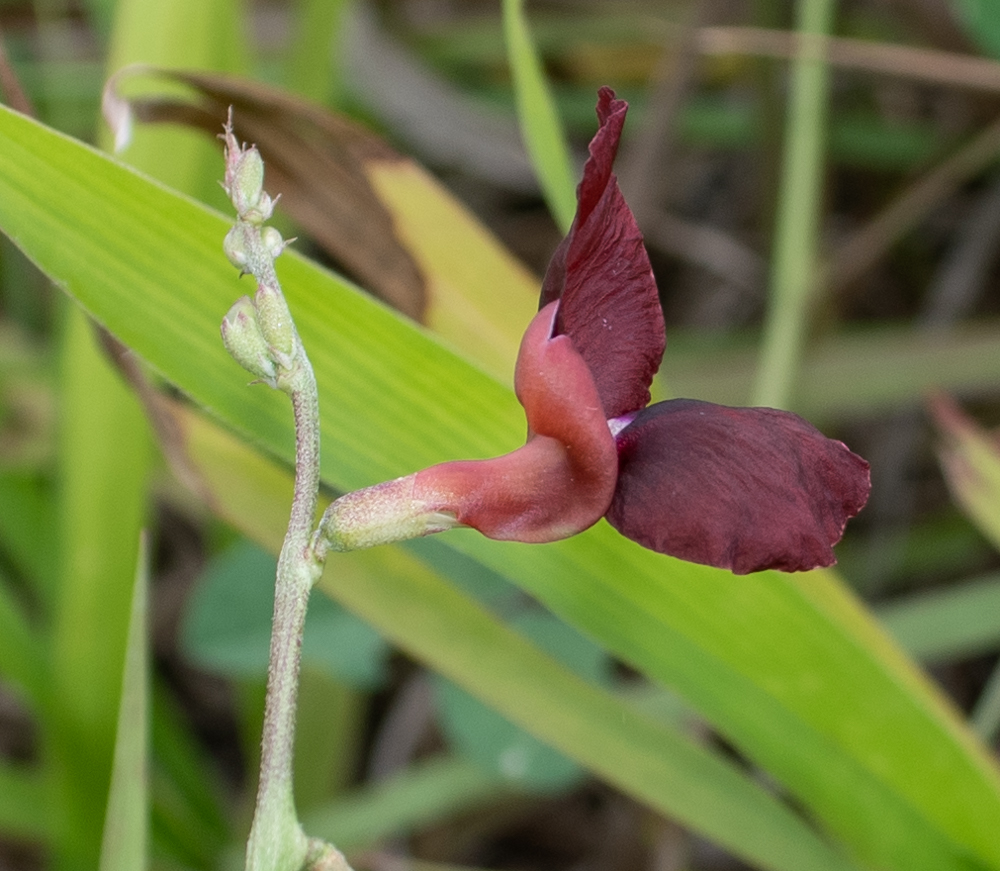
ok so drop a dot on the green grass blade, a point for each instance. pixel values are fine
(424, 793)
(331, 723)
(313, 65)
(850, 374)
(787, 667)
(958, 621)
(187, 806)
(985, 717)
(799, 209)
(24, 803)
(26, 510)
(123, 847)
(185, 34)
(971, 462)
(982, 22)
(540, 125)
(106, 453)
(22, 656)
(105, 460)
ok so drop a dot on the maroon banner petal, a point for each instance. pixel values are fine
(609, 304)
(743, 489)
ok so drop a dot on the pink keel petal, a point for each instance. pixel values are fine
(530, 494)
(744, 489)
(609, 304)
(562, 480)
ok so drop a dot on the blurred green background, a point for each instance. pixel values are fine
(823, 225)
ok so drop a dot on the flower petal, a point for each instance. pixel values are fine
(562, 480)
(556, 387)
(609, 304)
(744, 489)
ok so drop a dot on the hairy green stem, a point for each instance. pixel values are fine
(276, 837)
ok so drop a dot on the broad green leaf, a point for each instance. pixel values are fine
(540, 124)
(461, 267)
(123, 847)
(331, 726)
(982, 22)
(496, 743)
(652, 761)
(487, 587)
(782, 666)
(479, 296)
(789, 668)
(227, 625)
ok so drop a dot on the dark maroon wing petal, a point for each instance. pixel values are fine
(743, 489)
(609, 304)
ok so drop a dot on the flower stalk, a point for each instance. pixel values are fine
(260, 335)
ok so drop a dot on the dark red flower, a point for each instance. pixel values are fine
(738, 488)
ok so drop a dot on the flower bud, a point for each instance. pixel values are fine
(260, 212)
(245, 178)
(382, 514)
(271, 240)
(242, 336)
(274, 319)
(244, 182)
(236, 247)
